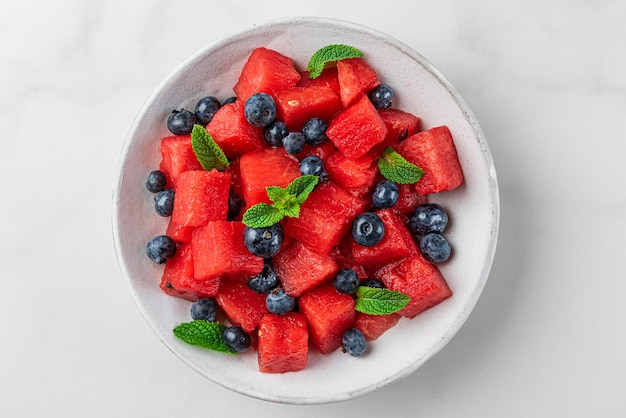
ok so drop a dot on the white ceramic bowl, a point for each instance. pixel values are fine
(473, 208)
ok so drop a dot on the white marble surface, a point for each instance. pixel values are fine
(547, 81)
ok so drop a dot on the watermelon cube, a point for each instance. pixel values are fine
(397, 243)
(433, 150)
(265, 71)
(268, 167)
(323, 151)
(296, 105)
(328, 313)
(201, 196)
(179, 233)
(408, 199)
(356, 176)
(178, 277)
(177, 156)
(373, 326)
(356, 78)
(400, 124)
(232, 132)
(328, 78)
(219, 251)
(242, 306)
(283, 343)
(324, 218)
(417, 278)
(356, 129)
(301, 269)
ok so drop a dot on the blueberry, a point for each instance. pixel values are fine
(164, 202)
(260, 109)
(313, 165)
(385, 194)
(204, 309)
(206, 108)
(373, 283)
(353, 342)
(234, 205)
(156, 181)
(263, 242)
(368, 229)
(346, 281)
(426, 218)
(265, 281)
(161, 248)
(278, 302)
(314, 131)
(231, 99)
(180, 122)
(381, 96)
(237, 339)
(435, 247)
(294, 142)
(275, 132)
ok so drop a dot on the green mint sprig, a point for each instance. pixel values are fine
(330, 53)
(204, 334)
(286, 202)
(396, 168)
(209, 154)
(378, 301)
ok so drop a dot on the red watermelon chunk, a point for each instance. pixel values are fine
(356, 176)
(178, 277)
(356, 129)
(328, 78)
(218, 250)
(296, 105)
(400, 125)
(268, 167)
(179, 233)
(408, 199)
(242, 306)
(417, 278)
(325, 217)
(373, 326)
(323, 151)
(283, 344)
(328, 313)
(433, 150)
(343, 257)
(232, 132)
(397, 243)
(301, 269)
(201, 196)
(265, 71)
(356, 77)
(177, 156)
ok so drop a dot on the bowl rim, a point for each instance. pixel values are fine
(478, 133)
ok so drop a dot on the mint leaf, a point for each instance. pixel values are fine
(330, 53)
(302, 187)
(209, 154)
(394, 167)
(203, 334)
(377, 301)
(262, 215)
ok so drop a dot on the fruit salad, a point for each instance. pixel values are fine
(299, 214)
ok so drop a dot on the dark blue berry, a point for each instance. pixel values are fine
(368, 229)
(156, 181)
(313, 165)
(426, 218)
(164, 202)
(204, 309)
(234, 205)
(346, 281)
(263, 242)
(294, 142)
(381, 96)
(385, 194)
(180, 122)
(231, 99)
(373, 283)
(314, 131)
(353, 342)
(206, 108)
(275, 132)
(278, 302)
(260, 109)
(161, 248)
(265, 281)
(237, 339)
(435, 247)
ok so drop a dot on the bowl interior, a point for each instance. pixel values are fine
(473, 208)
